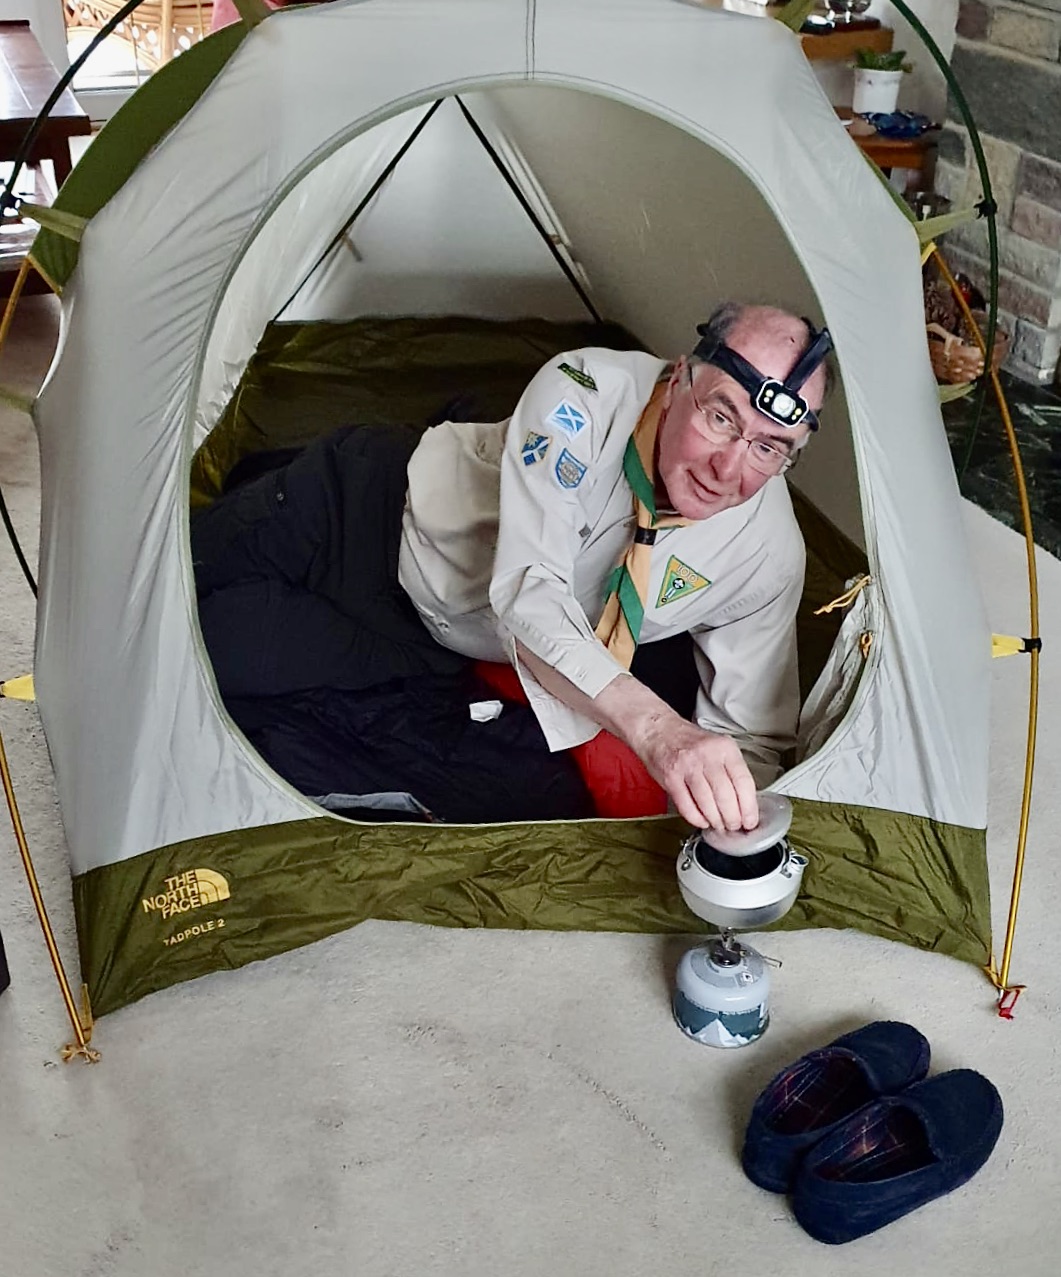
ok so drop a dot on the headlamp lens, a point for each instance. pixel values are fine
(785, 406)
(779, 404)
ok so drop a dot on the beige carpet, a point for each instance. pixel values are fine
(401, 1100)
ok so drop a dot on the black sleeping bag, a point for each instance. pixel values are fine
(415, 736)
(324, 664)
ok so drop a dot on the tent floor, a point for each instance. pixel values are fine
(403, 1099)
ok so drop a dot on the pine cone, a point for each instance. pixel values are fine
(941, 307)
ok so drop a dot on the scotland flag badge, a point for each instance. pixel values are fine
(567, 417)
(535, 446)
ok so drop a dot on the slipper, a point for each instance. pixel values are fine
(823, 1088)
(896, 1154)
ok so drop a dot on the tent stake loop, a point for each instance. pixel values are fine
(1007, 1001)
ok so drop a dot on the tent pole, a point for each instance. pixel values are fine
(987, 206)
(525, 205)
(5, 328)
(82, 1034)
(1009, 993)
(25, 148)
(392, 164)
(82, 1030)
(7, 200)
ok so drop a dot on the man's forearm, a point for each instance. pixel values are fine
(626, 707)
(704, 773)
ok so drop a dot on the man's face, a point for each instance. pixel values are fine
(703, 476)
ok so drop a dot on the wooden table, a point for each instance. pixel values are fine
(26, 80)
(917, 154)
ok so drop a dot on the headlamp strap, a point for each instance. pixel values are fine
(821, 342)
(764, 391)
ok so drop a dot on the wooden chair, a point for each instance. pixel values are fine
(156, 30)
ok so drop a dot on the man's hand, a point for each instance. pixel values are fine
(704, 774)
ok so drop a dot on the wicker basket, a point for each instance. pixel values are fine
(956, 361)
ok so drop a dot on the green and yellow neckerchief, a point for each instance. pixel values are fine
(626, 588)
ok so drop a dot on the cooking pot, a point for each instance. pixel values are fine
(746, 879)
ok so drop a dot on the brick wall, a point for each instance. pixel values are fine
(1006, 58)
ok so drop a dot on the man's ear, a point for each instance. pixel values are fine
(677, 369)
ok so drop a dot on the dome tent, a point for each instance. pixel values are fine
(679, 156)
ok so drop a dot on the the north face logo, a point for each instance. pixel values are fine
(186, 891)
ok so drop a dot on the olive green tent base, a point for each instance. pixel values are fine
(217, 903)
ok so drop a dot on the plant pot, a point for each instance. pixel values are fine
(876, 91)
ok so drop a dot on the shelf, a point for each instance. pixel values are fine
(839, 45)
(918, 154)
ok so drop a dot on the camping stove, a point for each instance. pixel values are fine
(737, 881)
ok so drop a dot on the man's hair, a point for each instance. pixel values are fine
(723, 319)
(721, 322)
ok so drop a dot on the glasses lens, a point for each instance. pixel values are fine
(762, 456)
(717, 428)
(767, 460)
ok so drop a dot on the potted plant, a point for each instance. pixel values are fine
(877, 80)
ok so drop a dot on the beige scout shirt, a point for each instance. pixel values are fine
(511, 529)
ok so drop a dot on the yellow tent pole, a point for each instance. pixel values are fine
(12, 301)
(16, 293)
(1007, 993)
(82, 1030)
(22, 688)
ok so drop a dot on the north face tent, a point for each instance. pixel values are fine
(675, 157)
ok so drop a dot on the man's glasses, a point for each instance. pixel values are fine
(762, 455)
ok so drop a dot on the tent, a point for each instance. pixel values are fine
(675, 156)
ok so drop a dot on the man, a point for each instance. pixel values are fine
(626, 500)
(725, 556)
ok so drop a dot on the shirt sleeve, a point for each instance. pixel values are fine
(548, 469)
(749, 678)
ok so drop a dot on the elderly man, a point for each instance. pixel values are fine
(690, 449)
(625, 501)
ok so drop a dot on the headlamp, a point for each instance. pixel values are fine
(780, 401)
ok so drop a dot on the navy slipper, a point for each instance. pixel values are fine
(811, 1097)
(896, 1154)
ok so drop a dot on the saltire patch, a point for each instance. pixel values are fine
(535, 446)
(567, 417)
(679, 581)
(569, 470)
(577, 375)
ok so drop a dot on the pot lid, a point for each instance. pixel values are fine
(775, 818)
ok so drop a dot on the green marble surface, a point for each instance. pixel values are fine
(984, 465)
